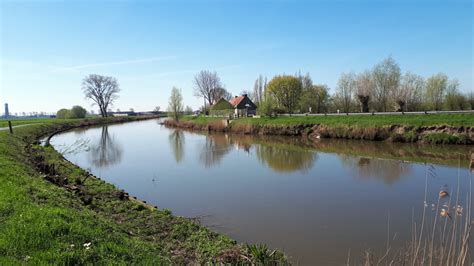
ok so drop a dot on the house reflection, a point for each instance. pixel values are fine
(177, 143)
(106, 151)
(389, 171)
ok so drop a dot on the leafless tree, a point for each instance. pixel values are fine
(258, 89)
(364, 90)
(386, 76)
(102, 90)
(205, 85)
(345, 89)
(408, 95)
(218, 93)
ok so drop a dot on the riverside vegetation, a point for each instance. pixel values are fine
(52, 211)
(434, 129)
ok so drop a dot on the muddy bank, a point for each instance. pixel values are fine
(394, 133)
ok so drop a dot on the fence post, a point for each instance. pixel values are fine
(10, 126)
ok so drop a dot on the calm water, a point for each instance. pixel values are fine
(313, 201)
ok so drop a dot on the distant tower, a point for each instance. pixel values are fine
(6, 110)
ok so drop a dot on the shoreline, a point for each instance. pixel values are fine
(426, 134)
(138, 231)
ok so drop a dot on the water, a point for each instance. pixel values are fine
(314, 201)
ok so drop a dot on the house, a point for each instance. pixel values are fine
(243, 106)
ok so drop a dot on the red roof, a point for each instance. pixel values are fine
(236, 100)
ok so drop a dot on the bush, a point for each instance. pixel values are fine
(76, 112)
(267, 107)
(62, 114)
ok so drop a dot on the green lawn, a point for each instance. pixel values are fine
(365, 120)
(84, 220)
(17, 122)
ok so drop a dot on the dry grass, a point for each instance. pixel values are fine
(443, 236)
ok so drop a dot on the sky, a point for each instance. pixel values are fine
(48, 47)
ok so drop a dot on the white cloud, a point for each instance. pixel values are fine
(125, 62)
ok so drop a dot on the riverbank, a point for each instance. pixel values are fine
(52, 211)
(433, 129)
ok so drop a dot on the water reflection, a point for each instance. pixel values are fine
(177, 143)
(215, 147)
(285, 158)
(389, 171)
(105, 151)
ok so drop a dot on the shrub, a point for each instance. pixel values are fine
(62, 113)
(77, 112)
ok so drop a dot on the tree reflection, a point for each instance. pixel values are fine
(214, 149)
(285, 158)
(386, 170)
(106, 151)
(176, 139)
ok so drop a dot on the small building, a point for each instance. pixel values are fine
(243, 106)
(222, 108)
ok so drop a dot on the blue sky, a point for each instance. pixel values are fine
(47, 47)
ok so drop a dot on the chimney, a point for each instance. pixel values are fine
(245, 95)
(236, 96)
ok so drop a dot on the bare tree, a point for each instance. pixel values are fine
(205, 84)
(436, 89)
(218, 93)
(408, 95)
(364, 90)
(345, 89)
(258, 89)
(386, 76)
(102, 90)
(175, 107)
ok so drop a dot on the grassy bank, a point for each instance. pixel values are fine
(435, 129)
(54, 212)
(353, 120)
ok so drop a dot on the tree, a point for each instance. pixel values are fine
(345, 89)
(286, 90)
(409, 94)
(315, 97)
(218, 93)
(175, 107)
(102, 90)
(188, 110)
(258, 90)
(364, 90)
(454, 99)
(77, 112)
(157, 109)
(386, 75)
(205, 85)
(267, 107)
(470, 99)
(62, 113)
(435, 90)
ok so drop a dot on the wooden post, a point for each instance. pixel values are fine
(10, 126)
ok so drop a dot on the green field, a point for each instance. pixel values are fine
(367, 120)
(352, 120)
(62, 216)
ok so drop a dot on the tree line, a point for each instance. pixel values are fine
(383, 88)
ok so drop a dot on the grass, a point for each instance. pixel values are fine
(444, 234)
(200, 120)
(352, 120)
(54, 212)
(17, 122)
(365, 120)
(433, 129)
